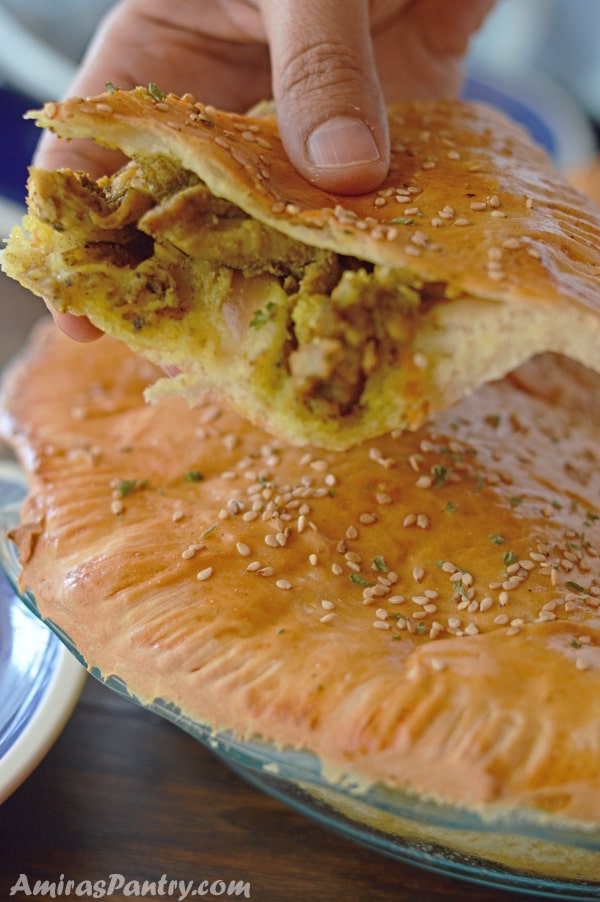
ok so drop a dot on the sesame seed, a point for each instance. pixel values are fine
(424, 482)
(418, 574)
(117, 507)
(409, 520)
(471, 629)
(498, 214)
(205, 574)
(327, 605)
(461, 221)
(104, 108)
(367, 518)
(396, 599)
(243, 549)
(478, 205)
(266, 571)
(337, 569)
(163, 107)
(422, 521)
(327, 618)
(381, 614)
(381, 625)
(283, 584)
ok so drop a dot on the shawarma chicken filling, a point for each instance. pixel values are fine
(151, 239)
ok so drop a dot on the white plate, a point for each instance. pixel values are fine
(40, 680)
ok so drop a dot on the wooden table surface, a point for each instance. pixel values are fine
(124, 792)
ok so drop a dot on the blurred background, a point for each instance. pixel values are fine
(539, 60)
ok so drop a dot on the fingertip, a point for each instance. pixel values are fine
(79, 328)
(345, 155)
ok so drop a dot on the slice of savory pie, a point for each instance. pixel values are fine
(421, 611)
(323, 318)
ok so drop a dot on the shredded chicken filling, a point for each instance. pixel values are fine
(346, 318)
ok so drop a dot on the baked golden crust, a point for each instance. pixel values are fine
(498, 257)
(421, 611)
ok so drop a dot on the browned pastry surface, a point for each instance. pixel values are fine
(349, 316)
(421, 610)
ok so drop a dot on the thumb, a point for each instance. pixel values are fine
(330, 106)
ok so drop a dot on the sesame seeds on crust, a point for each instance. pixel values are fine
(462, 176)
(390, 620)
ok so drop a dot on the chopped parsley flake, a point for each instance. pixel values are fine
(575, 586)
(127, 486)
(193, 476)
(515, 500)
(112, 89)
(262, 317)
(155, 91)
(497, 539)
(510, 558)
(450, 507)
(359, 580)
(458, 587)
(441, 474)
(380, 565)
(208, 531)
(402, 220)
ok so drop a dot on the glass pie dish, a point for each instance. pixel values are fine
(515, 853)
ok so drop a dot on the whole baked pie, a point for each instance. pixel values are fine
(372, 538)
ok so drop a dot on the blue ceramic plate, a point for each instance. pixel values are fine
(542, 107)
(521, 854)
(39, 680)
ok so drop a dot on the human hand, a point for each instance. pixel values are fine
(331, 66)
